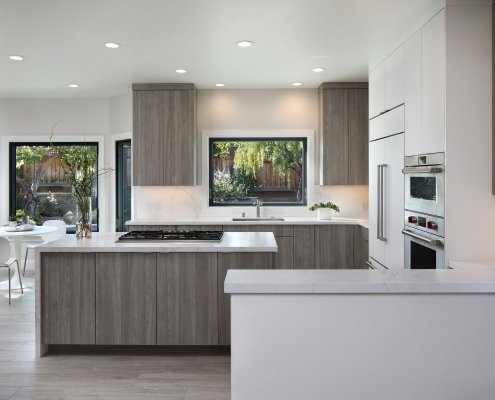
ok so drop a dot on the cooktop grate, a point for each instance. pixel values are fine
(212, 236)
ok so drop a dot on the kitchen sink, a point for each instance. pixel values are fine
(239, 219)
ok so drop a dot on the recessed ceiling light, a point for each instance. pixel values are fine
(318, 69)
(296, 84)
(16, 58)
(181, 71)
(244, 43)
(220, 84)
(73, 85)
(112, 45)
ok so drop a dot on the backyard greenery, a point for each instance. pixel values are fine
(241, 176)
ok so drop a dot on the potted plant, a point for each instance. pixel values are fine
(12, 221)
(325, 210)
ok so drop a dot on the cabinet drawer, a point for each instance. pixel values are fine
(387, 124)
(278, 230)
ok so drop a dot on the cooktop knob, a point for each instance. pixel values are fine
(412, 219)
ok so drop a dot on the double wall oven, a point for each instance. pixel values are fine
(424, 227)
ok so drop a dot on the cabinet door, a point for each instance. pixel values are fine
(284, 257)
(412, 68)
(334, 247)
(358, 137)
(433, 85)
(148, 138)
(377, 157)
(394, 79)
(304, 246)
(394, 202)
(377, 90)
(334, 137)
(178, 158)
(67, 298)
(187, 311)
(164, 132)
(126, 298)
(228, 261)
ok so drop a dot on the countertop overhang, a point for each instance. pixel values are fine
(232, 242)
(359, 281)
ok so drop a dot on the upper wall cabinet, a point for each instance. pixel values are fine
(387, 88)
(343, 133)
(164, 132)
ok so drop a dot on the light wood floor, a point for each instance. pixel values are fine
(136, 376)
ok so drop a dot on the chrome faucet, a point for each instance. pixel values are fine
(258, 203)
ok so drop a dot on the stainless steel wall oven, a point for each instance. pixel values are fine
(424, 226)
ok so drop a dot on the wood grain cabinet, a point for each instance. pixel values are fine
(228, 261)
(187, 296)
(67, 298)
(164, 134)
(126, 298)
(360, 247)
(334, 246)
(343, 133)
(304, 247)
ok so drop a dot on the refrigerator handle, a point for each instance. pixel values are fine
(379, 202)
(383, 210)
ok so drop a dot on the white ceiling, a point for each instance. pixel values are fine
(63, 42)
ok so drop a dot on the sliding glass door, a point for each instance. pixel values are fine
(123, 174)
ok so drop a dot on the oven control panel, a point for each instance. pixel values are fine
(425, 222)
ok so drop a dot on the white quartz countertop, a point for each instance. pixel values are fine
(232, 242)
(228, 221)
(360, 281)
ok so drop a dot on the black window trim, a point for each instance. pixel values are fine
(302, 139)
(12, 169)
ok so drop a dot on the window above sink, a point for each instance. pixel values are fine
(272, 169)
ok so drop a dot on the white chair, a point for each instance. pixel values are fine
(36, 240)
(6, 260)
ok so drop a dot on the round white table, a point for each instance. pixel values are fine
(17, 240)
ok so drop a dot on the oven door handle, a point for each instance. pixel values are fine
(422, 170)
(432, 242)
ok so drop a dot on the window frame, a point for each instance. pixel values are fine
(12, 171)
(303, 139)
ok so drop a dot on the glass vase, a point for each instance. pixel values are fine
(84, 218)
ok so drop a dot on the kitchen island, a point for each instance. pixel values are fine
(409, 334)
(97, 291)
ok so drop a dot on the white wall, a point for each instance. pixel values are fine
(470, 204)
(248, 110)
(34, 118)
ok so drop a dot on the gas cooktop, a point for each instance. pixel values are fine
(190, 236)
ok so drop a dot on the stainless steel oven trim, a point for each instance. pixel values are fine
(432, 242)
(422, 170)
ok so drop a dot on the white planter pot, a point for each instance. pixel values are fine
(324, 213)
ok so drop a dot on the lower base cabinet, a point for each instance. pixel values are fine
(228, 261)
(67, 294)
(126, 298)
(334, 246)
(361, 247)
(187, 296)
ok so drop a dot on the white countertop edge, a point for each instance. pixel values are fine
(358, 281)
(232, 242)
(228, 221)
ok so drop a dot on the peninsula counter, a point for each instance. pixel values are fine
(340, 334)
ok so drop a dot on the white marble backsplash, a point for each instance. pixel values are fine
(172, 202)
